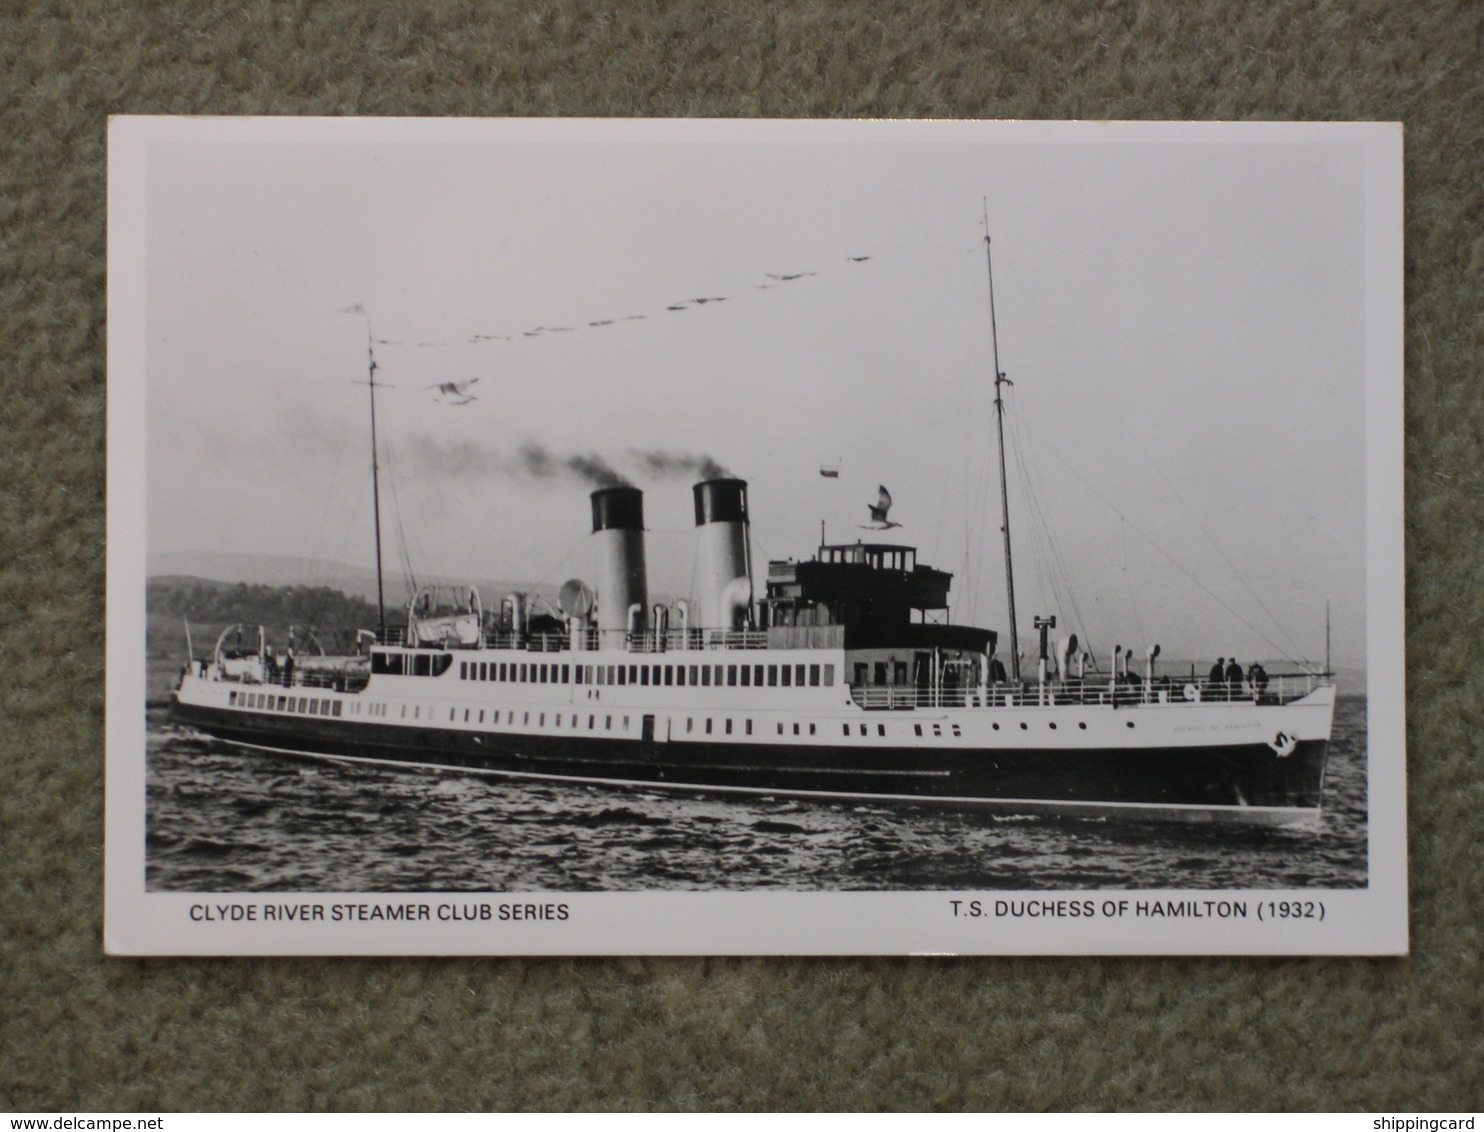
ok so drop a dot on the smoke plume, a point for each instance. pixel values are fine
(678, 465)
(467, 459)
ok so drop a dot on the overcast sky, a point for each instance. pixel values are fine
(1182, 315)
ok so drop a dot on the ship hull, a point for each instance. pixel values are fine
(1241, 781)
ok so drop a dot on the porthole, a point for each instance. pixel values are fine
(1083, 726)
(1130, 723)
(1053, 727)
(1024, 727)
(996, 726)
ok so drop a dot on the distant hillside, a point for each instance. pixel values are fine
(285, 570)
(210, 606)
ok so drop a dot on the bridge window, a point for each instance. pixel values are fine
(814, 676)
(829, 675)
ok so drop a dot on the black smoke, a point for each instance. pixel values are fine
(678, 465)
(433, 458)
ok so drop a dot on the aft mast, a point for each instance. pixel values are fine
(375, 484)
(1001, 380)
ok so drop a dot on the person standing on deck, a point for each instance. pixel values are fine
(1216, 677)
(1259, 677)
(1233, 679)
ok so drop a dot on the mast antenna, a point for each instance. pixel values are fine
(1328, 671)
(1000, 380)
(375, 483)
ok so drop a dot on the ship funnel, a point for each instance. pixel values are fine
(723, 570)
(618, 527)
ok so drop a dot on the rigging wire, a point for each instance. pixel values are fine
(323, 579)
(1145, 450)
(1058, 577)
(1165, 554)
(1127, 581)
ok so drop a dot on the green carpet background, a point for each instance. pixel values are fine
(79, 1032)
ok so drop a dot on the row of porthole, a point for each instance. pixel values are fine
(1080, 725)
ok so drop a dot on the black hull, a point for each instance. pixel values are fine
(1246, 783)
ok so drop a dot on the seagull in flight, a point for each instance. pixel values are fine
(879, 521)
(455, 392)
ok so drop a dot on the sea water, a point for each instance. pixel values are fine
(225, 819)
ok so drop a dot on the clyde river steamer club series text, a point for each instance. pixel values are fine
(316, 912)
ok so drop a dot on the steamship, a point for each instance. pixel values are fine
(837, 683)
(836, 677)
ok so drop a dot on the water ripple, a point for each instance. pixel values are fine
(221, 819)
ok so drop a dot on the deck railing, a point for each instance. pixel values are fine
(902, 697)
(674, 640)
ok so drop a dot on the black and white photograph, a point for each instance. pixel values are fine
(640, 536)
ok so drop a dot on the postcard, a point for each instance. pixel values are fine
(557, 537)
